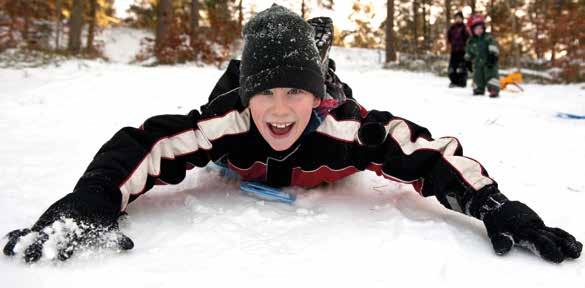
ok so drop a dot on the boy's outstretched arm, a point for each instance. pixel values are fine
(129, 164)
(437, 167)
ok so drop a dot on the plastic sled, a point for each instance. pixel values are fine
(570, 116)
(265, 192)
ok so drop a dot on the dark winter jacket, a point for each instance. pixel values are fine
(457, 36)
(479, 49)
(345, 140)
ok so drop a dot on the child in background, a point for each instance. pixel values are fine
(457, 38)
(481, 55)
(274, 127)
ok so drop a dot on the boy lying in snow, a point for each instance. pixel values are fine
(280, 126)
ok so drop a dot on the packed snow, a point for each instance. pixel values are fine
(364, 231)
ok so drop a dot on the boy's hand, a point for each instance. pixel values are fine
(77, 220)
(514, 223)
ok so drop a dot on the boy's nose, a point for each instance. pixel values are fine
(280, 106)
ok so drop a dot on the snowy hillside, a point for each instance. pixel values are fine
(361, 232)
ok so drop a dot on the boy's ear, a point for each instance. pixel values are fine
(316, 102)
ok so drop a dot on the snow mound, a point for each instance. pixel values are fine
(121, 44)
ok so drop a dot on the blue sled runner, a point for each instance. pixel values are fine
(570, 116)
(255, 189)
(266, 192)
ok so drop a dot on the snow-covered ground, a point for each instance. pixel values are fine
(361, 232)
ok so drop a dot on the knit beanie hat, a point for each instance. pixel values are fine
(475, 20)
(279, 51)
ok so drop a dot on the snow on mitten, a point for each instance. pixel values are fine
(79, 219)
(514, 223)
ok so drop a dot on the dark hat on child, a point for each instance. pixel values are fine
(475, 20)
(279, 51)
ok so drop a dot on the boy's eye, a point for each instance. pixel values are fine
(295, 91)
(266, 92)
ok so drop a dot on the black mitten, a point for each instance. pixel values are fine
(372, 132)
(514, 223)
(78, 219)
(469, 66)
(492, 59)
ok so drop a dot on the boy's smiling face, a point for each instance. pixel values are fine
(282, 114)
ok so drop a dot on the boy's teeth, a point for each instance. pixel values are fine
(281, 126)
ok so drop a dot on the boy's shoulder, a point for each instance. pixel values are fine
(348, 110)
(225, 96)
(222, 104)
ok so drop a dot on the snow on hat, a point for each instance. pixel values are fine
(279, 51)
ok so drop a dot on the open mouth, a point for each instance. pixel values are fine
(280, 129)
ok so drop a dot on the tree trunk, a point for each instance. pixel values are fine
(163, 22)
(426, 26)
(512, 7)
(92, 22)
(58, 7)
(303, 9)
(75, 27)
(194, 24)
(554, 32)
(515, 46)
(537, 31)
(415, 26)
(491, 13)
(11, 30)
(472, 4)
(240, 15)
(390, 50)
(447, 14)
(26, 12)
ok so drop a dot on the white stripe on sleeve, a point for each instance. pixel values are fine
(469, 169)
(183, 143)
